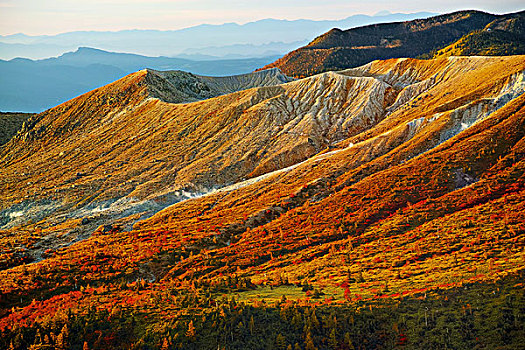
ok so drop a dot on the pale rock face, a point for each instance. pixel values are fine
(464, 117)
(314, 113)
(182, 87)
(416, 80)
(329, 105)
(412, 91)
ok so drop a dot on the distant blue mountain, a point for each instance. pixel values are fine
(33, 86)
(205, 39)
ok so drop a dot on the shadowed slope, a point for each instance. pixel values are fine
(338, 49)
(505, 36)
(10, 123)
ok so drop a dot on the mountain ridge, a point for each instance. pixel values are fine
(337, 49)
(379, 205)
(501, 37)
(276, 125)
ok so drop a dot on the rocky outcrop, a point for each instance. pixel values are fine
(180, 87)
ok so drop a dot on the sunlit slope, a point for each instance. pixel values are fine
(390, 184)
(119, 153)
(417, 192)
(119, 142)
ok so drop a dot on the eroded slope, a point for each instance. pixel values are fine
(421, 201)
(118, 153)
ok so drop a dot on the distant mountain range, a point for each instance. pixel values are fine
(237, 51)
(33, 86)
(458, 33)
(261, 38)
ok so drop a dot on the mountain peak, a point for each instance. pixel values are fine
(89, 50)
(84, 51)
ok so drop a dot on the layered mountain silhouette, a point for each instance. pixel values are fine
(468, 32)
(261, 38)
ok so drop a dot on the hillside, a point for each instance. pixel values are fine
(501, 37)
(341, 49)
(377, 207)
(180, 87)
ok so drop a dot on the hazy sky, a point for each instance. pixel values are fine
(55, 16)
